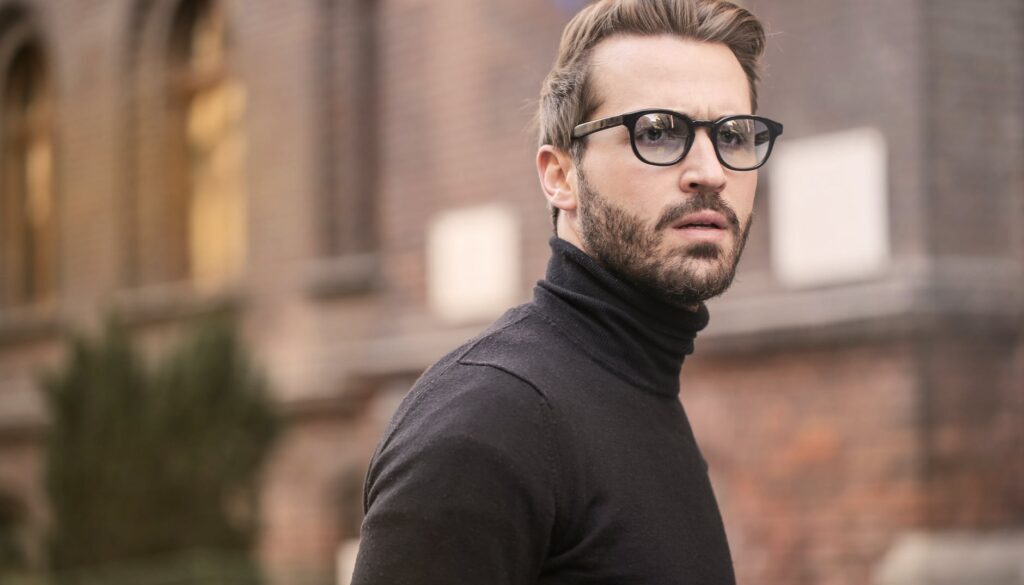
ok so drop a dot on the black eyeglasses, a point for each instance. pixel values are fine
(663, 137)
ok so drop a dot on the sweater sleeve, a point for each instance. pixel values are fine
(461, 490)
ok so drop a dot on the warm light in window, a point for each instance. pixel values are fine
(216, 157)
(27, 232)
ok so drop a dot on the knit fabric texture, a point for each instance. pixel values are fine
(552, 448)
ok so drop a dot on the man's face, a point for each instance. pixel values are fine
(635, 218)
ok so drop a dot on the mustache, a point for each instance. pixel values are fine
(702, 202)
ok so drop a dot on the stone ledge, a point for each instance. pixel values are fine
(916, 297)
(343, 276)
(26, 324)
(954, 558)
(396, 355)
(171, 302)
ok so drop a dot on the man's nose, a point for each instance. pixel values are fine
(702, 170)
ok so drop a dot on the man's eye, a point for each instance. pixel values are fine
(652, 135)
(731, 138)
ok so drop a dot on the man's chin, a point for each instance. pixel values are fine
(699, 279)
(701, 261)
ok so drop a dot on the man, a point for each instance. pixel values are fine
(553, 448)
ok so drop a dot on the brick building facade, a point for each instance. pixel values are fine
(858, 425)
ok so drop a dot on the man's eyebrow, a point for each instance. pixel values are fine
(713, 115)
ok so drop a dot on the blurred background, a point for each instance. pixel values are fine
(234, 232)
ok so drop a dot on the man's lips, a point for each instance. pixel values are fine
(702, 220)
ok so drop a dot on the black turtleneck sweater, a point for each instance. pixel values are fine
(550, 449)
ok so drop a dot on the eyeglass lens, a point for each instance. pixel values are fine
(662, 138)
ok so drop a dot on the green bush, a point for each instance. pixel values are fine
(12, 556)
(152, 463)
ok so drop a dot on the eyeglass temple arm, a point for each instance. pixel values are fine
(590, 127)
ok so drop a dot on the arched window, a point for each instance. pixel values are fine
(27, 218)
(348, 53)
(208, 108)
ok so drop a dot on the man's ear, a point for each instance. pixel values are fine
(557, 175)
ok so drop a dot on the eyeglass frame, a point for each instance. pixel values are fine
(629, 121)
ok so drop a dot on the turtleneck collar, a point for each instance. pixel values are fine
(637, 335)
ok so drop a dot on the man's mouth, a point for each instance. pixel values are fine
(702, 220)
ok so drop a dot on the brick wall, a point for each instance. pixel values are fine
(816, 471)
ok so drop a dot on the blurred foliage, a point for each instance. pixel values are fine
(196, 568)
(155, 463)
(12, 555)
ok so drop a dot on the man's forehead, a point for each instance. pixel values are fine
(702, 80)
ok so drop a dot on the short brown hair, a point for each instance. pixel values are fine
(566, 97)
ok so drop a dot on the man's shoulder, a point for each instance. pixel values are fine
(523, 344)
(513, 346)
(503, 370)
(477, 398)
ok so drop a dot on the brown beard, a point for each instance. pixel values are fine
(623, 244)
